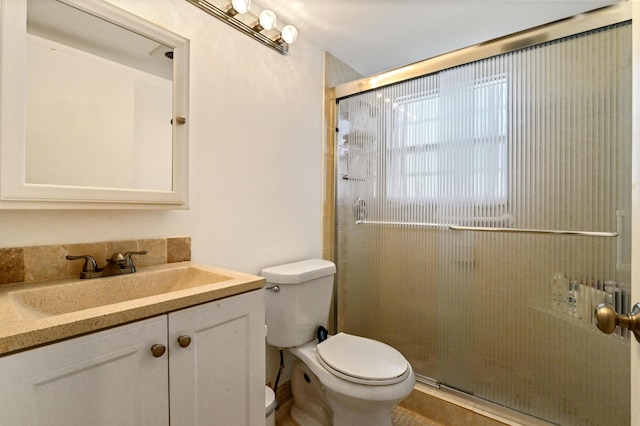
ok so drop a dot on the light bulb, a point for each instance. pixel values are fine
(268, 20)
(241, 6)
(289, 34)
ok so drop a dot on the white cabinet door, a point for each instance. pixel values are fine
(107, 378)
(218, 379)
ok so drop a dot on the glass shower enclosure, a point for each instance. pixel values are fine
(483, 211)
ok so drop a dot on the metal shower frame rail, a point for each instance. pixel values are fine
(608, 15)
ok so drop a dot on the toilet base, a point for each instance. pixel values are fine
(302, 418)
(314, 404)
(310, 406)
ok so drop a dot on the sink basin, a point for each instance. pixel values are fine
(77, 295)
(41, 312)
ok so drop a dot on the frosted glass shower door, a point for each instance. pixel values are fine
(454, 193)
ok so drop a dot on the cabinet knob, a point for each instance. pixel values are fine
(184, 341)
(158, 350)
(180, 120)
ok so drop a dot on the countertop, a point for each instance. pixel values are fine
(22, 327)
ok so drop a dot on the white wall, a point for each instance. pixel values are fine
(255, 154)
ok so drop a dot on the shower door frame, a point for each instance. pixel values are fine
(621, 12)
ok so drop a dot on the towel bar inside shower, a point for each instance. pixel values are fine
(490, 229)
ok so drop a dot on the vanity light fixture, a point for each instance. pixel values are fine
(239, 7)
(261, 28)
(267, 21)
(289, 34)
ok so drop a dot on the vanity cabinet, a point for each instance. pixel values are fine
(106, 378)
(211, 372)
(218, 377)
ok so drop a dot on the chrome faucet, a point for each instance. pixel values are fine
(118, 264)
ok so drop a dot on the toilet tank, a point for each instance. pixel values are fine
(302, 302)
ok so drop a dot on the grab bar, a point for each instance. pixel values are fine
(486, 229)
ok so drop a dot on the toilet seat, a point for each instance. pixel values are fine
(361, 360)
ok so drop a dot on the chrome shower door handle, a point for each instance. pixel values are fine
(607, 319)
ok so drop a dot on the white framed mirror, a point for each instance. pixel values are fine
(93, 108)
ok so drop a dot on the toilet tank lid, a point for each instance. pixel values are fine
(298, 272)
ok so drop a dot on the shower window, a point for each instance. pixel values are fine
(450, 145)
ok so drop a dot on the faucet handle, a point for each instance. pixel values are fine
(127, 257)
(90, 264)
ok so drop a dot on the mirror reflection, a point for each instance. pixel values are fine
(98, 102)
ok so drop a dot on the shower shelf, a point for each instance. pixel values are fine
(356, 178)
(362, 135)
(358, 149)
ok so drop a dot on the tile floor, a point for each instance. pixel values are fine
(401, 417)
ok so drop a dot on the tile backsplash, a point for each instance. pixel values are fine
(25, 264)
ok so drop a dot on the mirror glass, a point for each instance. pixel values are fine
(98, 102)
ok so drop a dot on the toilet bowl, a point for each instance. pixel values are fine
(354, 395)
(345, 380)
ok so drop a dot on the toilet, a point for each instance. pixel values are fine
(269, 407)
(343, 380)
